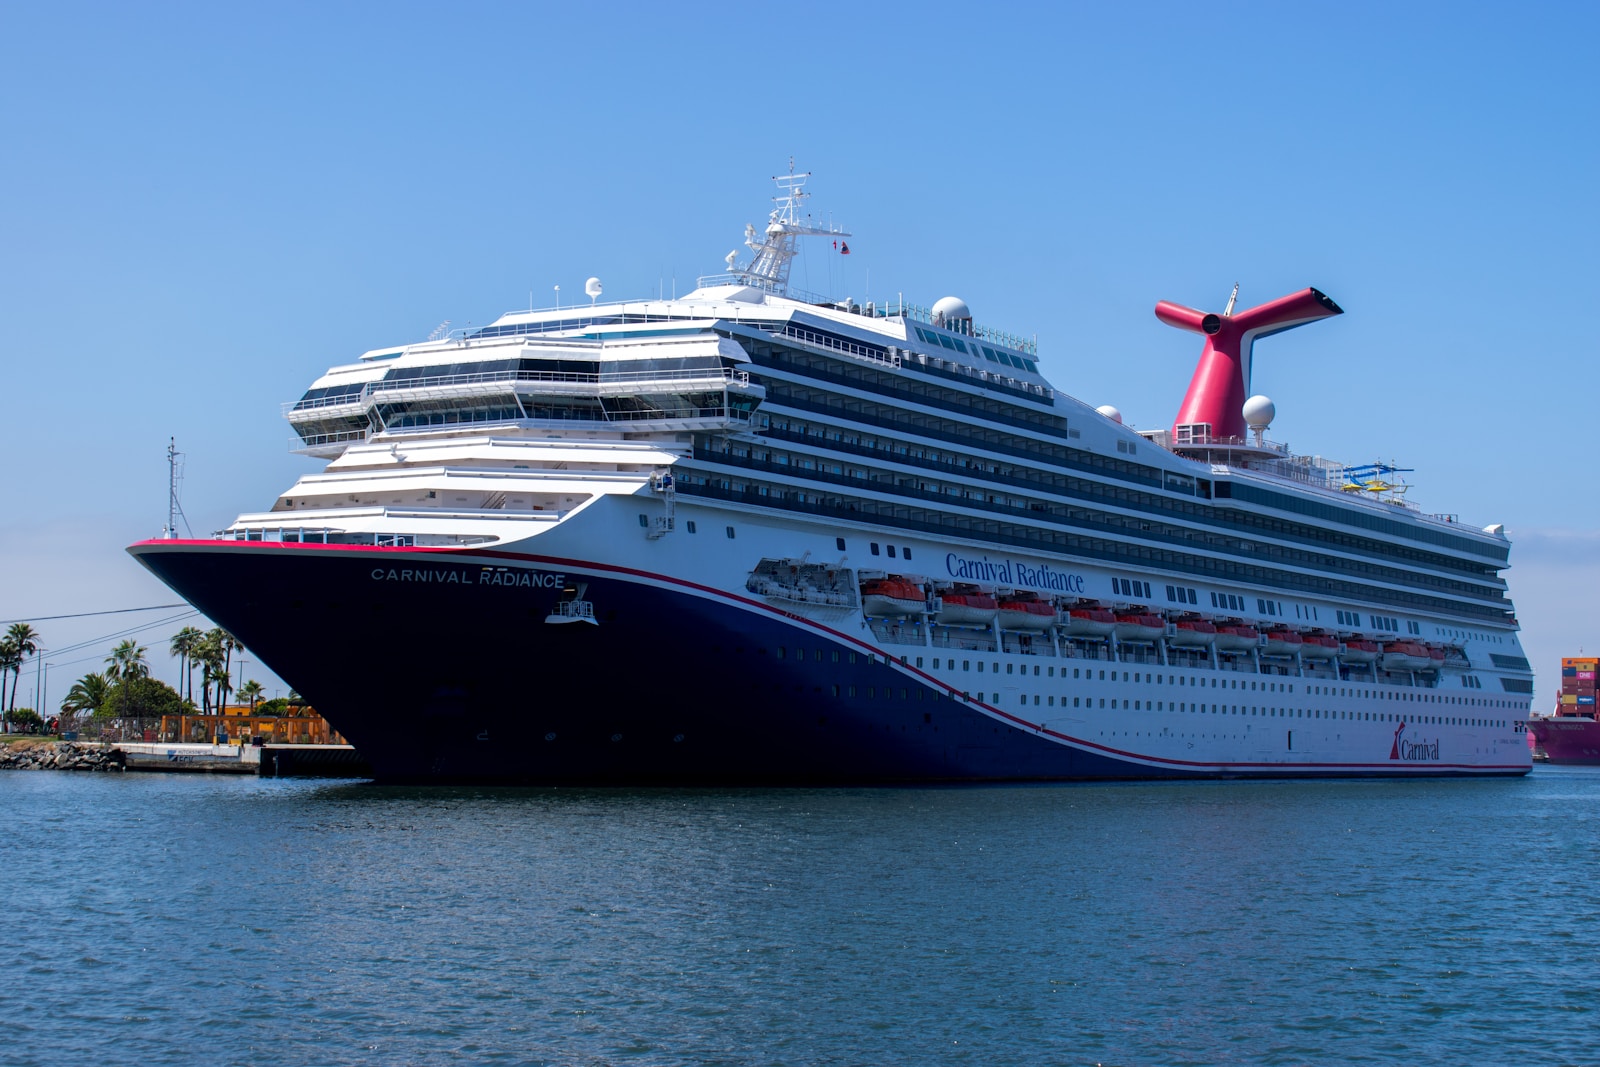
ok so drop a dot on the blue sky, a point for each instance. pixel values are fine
(204, 206)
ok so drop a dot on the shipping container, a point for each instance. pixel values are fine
(1569, 698)
(1585, 700)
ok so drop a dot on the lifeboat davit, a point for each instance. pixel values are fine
(1236, 637)
(1025, 611)
(965, 605)
(892, 598)
(1193, 633)
(1087, 622)
(1282, 643)
(1405, 656)
(1357, 650)
(1435, 656)
(1319, 646)
(1138, 626)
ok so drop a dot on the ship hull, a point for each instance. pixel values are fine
(439, 667)
(1568, 740)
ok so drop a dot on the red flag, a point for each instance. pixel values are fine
(844, 250)
(836, 246)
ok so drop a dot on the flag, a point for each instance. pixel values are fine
(836, 246)
(844, 249)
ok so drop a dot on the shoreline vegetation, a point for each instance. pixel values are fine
(111, 703)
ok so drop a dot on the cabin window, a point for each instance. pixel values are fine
(839, 543)
(689, 525)
(873, 547)
(730, 533)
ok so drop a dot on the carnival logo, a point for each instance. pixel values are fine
(1405, 749)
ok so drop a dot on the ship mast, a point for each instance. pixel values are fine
(774, 248)
(174, 476)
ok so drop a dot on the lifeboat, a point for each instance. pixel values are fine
(1138, 626)
(1025, 611)
(1236, 637)
(1087, 622)
(1405, 656)
(1435, 656)
(1283, 642)
(892, 597)
(1319, 646)
(1193, 633)
(1357, 650)
(965, 605)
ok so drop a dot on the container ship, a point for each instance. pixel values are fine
(755, 535)
(1572, 733)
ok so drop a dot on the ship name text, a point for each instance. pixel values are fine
(462, 576)
(1013, 572)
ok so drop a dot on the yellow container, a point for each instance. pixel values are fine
(1569, 698)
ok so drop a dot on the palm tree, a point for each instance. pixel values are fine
(220, 646)
(25, 639)
(208, 654)
(251, 691)
(126, 662)
(10, 660)
(88, 693)
(184, 644)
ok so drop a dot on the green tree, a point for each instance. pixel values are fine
(126, 662)
(250, 691)
(10, 660)
(142, 697)
(184, 644)
(25, 640)
(88, 693)
(275, 706)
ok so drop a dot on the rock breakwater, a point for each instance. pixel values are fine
(60, 756)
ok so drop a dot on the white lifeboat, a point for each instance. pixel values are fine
(1236, 637)
(892, 598)
(1087, 622)
(1193, 633)
(1282, 643)
(966, 605)
(1025, 611)
(1359, 650)
(1406, 656)
(1139, 626)
(1319, 646)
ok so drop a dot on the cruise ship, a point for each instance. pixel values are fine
(755, 535)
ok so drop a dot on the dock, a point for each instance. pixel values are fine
(271, 761)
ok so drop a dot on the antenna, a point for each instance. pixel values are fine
(774, 246)
(1227, 312)
(174, 476)
(440, 330)
(558, 297)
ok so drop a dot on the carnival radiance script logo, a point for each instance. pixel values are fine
(1405, 749)
(1012, 572)
(465, 576)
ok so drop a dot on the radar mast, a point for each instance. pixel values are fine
(774, 248)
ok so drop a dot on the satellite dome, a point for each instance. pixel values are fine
(1259, 411)
(951, 309)
(1111, 413)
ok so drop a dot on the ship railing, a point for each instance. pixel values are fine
(706, 374)
(870, 353)
(800, 594)
(963, 640)
(322, 535)
(319, 440)
(788, 292)
(918, 313)
(898, 633)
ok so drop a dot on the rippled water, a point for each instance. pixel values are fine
(174, 919)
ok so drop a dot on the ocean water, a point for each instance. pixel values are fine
(167, 919)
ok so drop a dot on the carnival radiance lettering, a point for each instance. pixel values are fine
(457, 576)
(1013, 572)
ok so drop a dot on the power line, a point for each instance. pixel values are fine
(86, 614)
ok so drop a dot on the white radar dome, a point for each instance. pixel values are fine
(951, 308)
(1259, 411)
(592, 287)
(1111, 413)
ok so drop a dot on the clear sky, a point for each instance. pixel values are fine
(203, 206)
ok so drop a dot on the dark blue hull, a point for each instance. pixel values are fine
(441, 666)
